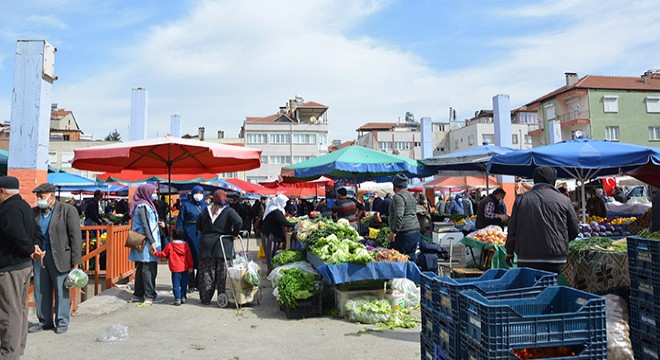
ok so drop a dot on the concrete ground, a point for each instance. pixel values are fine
(194, 331)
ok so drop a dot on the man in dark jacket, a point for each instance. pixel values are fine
(596, 204)
(487, 211)
(20, 241)
(541, 225)
(404, 226)
(92, 217)
(60, 227)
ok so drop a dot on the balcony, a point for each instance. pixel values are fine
(574, 117)
(535, 129)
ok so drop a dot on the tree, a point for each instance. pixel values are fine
(113, 136)
(410, 117)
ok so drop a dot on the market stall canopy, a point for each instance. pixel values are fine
(167, 155)
(356, 162)
(65, 182)
(474, 159)
(210, 186)
(461, 182)
(135, 176)
(649, 174)
(252, 188)
(276, 181)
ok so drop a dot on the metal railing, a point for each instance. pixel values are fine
(574, 115)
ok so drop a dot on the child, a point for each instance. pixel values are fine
(180, 262)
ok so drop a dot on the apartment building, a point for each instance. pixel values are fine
(404, 138)
(615, 108)
(297, 132)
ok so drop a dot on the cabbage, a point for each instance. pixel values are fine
(76, 279)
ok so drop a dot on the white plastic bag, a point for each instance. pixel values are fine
(116, 332)
(412, 294)
(276, 274)
(618, 331)
(76, 279)
(252, 275)
(236, 271)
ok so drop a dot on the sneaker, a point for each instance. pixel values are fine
(184, 300)
(38, 327)
(148, 301)
(177, 302)
(136, 299)
(158, 300)
(61, 330)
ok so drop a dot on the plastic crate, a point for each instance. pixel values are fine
(447, 340)
(592, 352)
(426, 288)
(308, 308)
(427, 350)
(644, 255)
(645, 284)
(440, 355)
(341, 297)
(428, 330)
(558, 316)
(644, 316)
(645, 347)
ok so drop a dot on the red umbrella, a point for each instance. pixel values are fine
(129, 176)
(252, 188)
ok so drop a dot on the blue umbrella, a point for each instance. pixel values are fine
(581, 159)
(64, 181)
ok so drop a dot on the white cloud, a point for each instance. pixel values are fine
(46, 21)
(226, 60)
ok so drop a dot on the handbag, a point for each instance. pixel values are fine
(135, 240)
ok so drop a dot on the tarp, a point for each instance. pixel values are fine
(356, 161)
(66, 182)
(473, 159)
(463, 182)
(350, 272)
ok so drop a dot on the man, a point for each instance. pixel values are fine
(375, 204)
(619, 195)
(440, 204)
(467, 205)
(541, 225)
(60, 227)
(487, 211)
(20, 240)
(596, 204)
(384, 206)
(92, 217)
(404, 226)
(257, 211)
(347, 208)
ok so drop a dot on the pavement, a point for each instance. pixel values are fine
(194, 331)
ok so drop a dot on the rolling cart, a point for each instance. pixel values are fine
(238, 291)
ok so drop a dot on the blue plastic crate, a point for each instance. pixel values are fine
(644, 255)
(448, 340)
(644, 316)
(426, 287)
(645, 347)
(646, 284)
(427, 350)
(591, 352)
(440, 355)
(558, 316)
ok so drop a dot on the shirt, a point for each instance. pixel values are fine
(212, 215)
(44, 222)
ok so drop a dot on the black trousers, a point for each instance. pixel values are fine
(550, 267)
(212, 275)
(145, 279)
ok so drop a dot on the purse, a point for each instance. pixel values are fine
(135, 240)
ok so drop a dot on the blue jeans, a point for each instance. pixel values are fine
(48, 280)
(406, 243)
(180, 284)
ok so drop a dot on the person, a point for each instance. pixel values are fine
(619, 195)
(347, 208)
(186, 221)
(368, 202)
(467, 206)
(424, 217)
(177, 205)
(245, 212)
(109, 207)
(655, 213)
(541, 225)
(162, 208)
(455, 207)
(448, 204)
(60, 227)
(384, 206)
(375, 204)
(92, 217)
(487, 211)
(272, 228)
(440, 205)
(501, 208)
(404, 226)
(180, 261)
(322, 207)
(219, 220)
(20, 241)
(596, 204)
(564, 191)
(145, 221)
(258, 209)
(291, 207)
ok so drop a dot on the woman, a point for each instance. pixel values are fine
(217, 221)
(187, 222)
(145, 221)
(272, 228)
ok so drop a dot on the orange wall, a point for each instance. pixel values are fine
(28, 179)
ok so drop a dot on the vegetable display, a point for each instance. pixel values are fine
(370, 310)
(649, 235)
(287, 257)
(641, 223)
(331, 250)
(491, 234)
(382, 239)
(390, 255)
(296, 285)
(599, 244)
(312, 233)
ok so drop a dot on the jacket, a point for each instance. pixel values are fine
(487, 212)
(179, 257)
(145, 221)
(19, 233)
(403, 213)
(65, 235)
(92, 212)
(227, 223)
(541, 225)
(274, 224)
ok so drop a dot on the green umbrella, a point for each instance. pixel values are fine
(4, 155)
(356, 162)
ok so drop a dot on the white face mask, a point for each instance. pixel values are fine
(198, 197)
(154, 196)
(43, 203)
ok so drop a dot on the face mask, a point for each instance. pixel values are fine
(154, 197)
(43, 203)
(198, 197)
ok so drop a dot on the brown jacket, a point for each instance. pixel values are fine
(65, 235)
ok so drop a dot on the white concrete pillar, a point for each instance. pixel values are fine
(137, 128)
(175, 125)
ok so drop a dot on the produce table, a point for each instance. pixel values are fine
(499, 252)
(351, 272)
(596, 271)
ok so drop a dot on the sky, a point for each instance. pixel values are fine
(217, 62)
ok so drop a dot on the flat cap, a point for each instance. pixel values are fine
(8, 182)
(44, 188)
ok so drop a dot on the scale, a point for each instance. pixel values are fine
(447, 236)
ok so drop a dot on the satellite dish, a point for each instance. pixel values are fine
(312, 119)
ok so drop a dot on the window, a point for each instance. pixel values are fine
(323, 139)
(66, 137)
(612, 133)
(304, 138)
(528, 139)
(654, 133)
(297, 159)
(280, 138)
(610, 104)
(264, 159)
(549, 111)
(229, 175)
(488, 138)
(653, 104)
(456, 144)
(52, 158)
(403, 145)
(256, 139)
(384, 145)
(280, 160)
(514, 138)
(471, 140)
(255, 179)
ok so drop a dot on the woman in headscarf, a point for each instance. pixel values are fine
(145, 221)
(217, 221)
(272, 228)
(186, 221)
(456, 206)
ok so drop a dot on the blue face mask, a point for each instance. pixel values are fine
(154, 197)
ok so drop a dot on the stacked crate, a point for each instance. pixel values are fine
(644, 268)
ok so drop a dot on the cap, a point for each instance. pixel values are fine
(44, 188)
(400, 181)
(8, 182)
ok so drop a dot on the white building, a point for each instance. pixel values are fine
(403, 139)
(298, 132)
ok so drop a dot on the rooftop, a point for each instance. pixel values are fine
(377, 126)
(269, 119)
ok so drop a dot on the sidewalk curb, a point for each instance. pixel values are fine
(106, 302)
